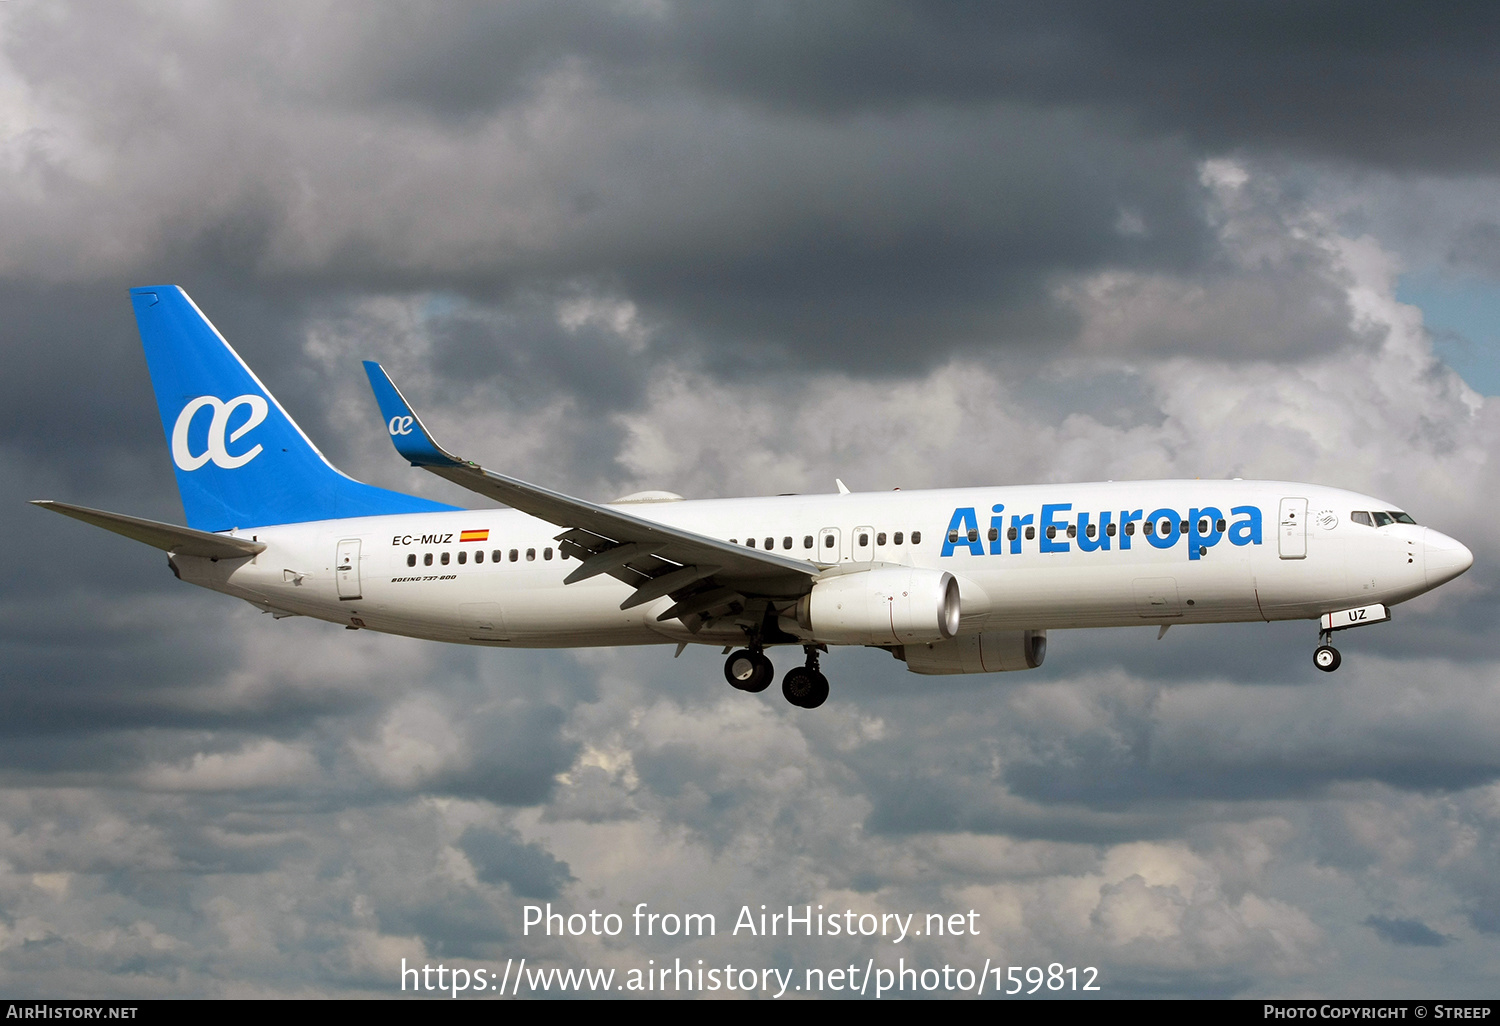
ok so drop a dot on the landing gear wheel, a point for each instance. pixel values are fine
(1327, 658)
(805, 687)
(749, 671)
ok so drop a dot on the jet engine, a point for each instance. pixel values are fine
(989, 652)
(888, 606)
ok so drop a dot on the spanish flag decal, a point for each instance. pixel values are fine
(469, 536)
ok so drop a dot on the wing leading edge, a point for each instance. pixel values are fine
(707, 579)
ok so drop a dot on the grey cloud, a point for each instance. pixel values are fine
(1390, 86)
(1408, 932)
(529, 869)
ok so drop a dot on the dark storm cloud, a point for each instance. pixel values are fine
(1387, 84)
(518, 343)
(1409, 932)
(501, 857)
(778, 187)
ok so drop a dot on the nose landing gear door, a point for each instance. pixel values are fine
(346, 569)
(1291, 533)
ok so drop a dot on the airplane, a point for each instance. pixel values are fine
(949, 581)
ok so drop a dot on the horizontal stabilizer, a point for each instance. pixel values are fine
(168, 537)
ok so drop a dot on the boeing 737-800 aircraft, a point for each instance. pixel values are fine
(950, 581)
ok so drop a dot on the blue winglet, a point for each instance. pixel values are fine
(408, 433)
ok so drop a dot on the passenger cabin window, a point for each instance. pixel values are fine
(530, 555)
(864, 539)
(750, 542)
(479, 555)
(1110, 530)
(547, 553)
(1012, 534)
(1051, 531)
(828, 541)
(427, 559)
(1150, 526)
(897, 539)
(994, 534)
(880, 538)
(443, 559)
(916, 537)
(1092, 531)
(411, 560)
(807, 541)
(734, 541)
(463, 557)
(1072, 530)
(514, 555)
(770, 543)
(1129, 528)
(973, 536)
(1030, 533)
(1359, 516)
(786, 542)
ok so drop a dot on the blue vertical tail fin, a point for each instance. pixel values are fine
(241, 460)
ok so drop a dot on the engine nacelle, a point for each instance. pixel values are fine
(889, 606)
(989, 652)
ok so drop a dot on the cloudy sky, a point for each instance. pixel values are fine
(727, 249)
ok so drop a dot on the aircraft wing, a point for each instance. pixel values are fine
(706, 577)
(168, 537)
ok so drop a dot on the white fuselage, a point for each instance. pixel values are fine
(1298, 556)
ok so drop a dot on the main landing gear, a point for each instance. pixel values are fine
(805, 685)
(748, 669)
(1325, 656)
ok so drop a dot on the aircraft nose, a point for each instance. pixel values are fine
(1446, 557)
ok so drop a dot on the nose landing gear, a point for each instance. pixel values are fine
(1325, 656)
(805, 686)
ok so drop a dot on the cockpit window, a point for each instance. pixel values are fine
(1359, 516)
(1382, 519)
(1401, 518)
